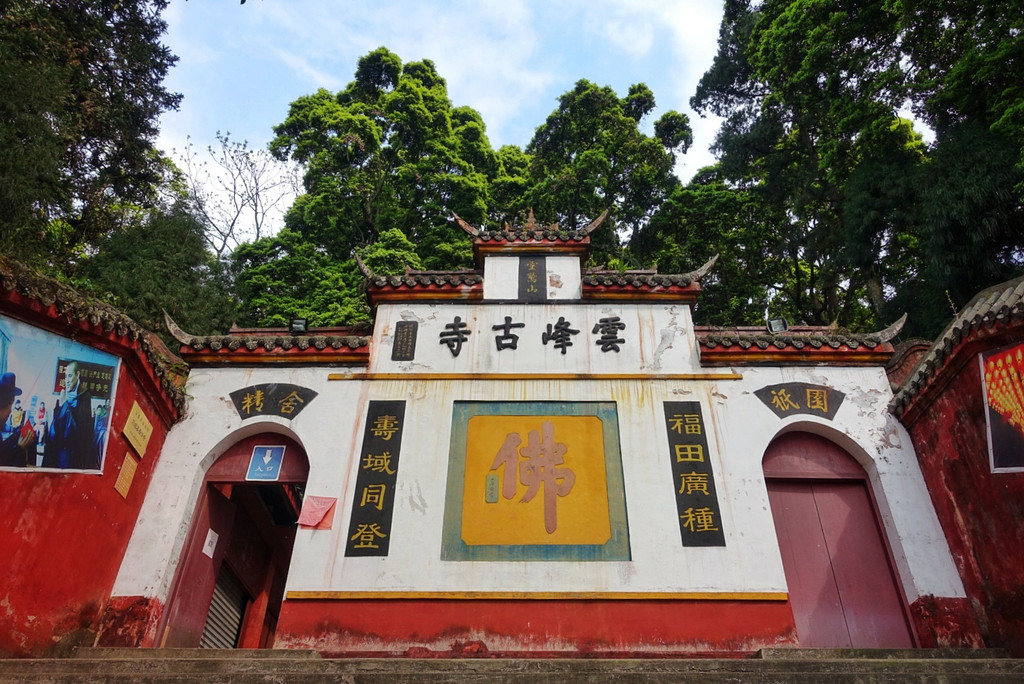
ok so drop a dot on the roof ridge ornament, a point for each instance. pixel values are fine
(703, 270)
(176, 332)
(466, 226)
(363, 268)
(531, 222)
(892, 331)
(595, 224)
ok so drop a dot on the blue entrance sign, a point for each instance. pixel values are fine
(265, 463)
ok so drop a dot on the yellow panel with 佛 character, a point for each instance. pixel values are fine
(535, 480)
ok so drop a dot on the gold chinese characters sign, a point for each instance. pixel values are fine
(373, 502)
(271, 399)
(138, 429)
(693, 479)
(535, 481)
(793, 398)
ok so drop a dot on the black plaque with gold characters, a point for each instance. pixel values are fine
(700, 517)
(272, 399)
(532, 276)
(369, 532)
(789, 398)
(403, 345)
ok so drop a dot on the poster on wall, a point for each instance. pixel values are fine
(537, 481)
(1002, 375)
(56, 397)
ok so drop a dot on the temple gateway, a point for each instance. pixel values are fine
(524, 458)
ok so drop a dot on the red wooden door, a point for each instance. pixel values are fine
(842, 588)
(201, 560)
(241, 543)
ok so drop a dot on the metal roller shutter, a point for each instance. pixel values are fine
(224, 621)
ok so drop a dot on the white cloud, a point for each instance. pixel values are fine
(315, 77)
(241, 66)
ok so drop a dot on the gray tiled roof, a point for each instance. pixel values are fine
(272, 342)
(822, 339)
(268, 340)
(638, 280)
(414, 279)
(1000, 304)
(536, 235)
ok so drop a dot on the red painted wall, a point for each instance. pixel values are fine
(981, 512)
(65, 535)
(565, 628)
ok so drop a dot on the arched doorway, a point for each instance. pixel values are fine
(842, 587)
(228, 587)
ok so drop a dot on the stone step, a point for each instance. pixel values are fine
(118, 653)
(880, 653)
(186, 665)
(491, 678)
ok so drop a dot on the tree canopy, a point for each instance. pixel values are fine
(827, 204)
(876, 221)
(391, 159)
(388, 151)
(81, 87)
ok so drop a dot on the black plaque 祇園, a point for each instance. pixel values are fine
(369, 532)
(403, 346)
(532, 277)
(693, 480)
(789, 398)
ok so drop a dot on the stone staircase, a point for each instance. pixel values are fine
(769, 665)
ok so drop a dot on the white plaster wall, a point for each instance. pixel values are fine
(865, 428)
(658, 339)
(660, 342)
(562, 277)
(325, 429)
(749, 562)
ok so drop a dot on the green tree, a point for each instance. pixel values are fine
(159, 262)
(81, 87)
(708, 217)
(391, 254)
(590, 155)
(966, 60)
(285, 276)
(809, 89)
(389, 151)
(879, 221)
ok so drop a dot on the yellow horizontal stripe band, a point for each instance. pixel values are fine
(519, 377)
(543, 595)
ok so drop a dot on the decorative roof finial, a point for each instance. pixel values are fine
(475, 232)
(363, 268)
(892, 331)
(531, 223)
(703, 270)
(596, 223)
(176, 332)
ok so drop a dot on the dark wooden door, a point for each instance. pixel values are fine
(842, 587)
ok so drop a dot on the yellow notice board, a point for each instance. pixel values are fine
(535, 481)
(138, 429)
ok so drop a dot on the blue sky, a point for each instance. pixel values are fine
(240, 66)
